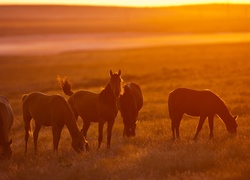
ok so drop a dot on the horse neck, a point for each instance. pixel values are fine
(106, 96)
(72, 127)
(224, 114)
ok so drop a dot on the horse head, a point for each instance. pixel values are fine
(232, 126)
(79, 143)
(116, 83)
(129, 130)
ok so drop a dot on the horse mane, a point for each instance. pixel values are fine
(65, 85)
(222, 105)
(223, 110)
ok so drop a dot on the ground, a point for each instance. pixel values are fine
(223, 68)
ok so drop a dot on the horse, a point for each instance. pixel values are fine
(50, 110)
(96, 107)
(203, 103)
(6, 121)
(131, 101)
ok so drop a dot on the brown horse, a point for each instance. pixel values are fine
(50, 111)
(198, 103)
(93, 107)
(6, 121)
(131, 101)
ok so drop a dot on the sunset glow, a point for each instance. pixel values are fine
(138, 3)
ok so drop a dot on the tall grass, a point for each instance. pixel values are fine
(151, 154)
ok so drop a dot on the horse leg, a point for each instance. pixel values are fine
(85, 128)
(201, 122)
(35, 135)
(173, 128)
(109, 132)
(56, 131)
(27, 120)
(211, 125)
(100, 128)
(176, 126)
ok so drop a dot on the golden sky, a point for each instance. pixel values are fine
(122, 2)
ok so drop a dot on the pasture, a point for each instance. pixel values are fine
(151, 154)
(222, 68)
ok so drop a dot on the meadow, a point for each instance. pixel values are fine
(222, 68)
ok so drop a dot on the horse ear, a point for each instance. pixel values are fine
(119, 72)
(10, 142)
(111, 73)
(235, 117)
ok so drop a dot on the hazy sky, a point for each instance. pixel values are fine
(122, 2)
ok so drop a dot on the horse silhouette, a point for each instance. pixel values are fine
(6, 121)
(96, 107)
(198, 103)
(131, 101)
(50, 110)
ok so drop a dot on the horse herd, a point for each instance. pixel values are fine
(55, 111)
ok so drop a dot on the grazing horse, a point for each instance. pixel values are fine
(96, 107)
(198, 103)
(50, 111)
(131, 101)
(6, 121)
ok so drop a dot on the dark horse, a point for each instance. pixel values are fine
(93, 107)
(198, 103)
(131, 101)
(6, 121)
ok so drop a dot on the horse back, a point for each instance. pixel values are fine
(45, 108)
(36, 105)
(194, 102)
(85, 104)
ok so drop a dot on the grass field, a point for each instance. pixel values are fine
(223, 68)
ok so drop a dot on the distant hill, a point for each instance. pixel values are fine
(17, 20)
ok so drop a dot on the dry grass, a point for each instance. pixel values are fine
(151, 154)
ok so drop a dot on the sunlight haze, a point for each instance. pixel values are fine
(138, 3)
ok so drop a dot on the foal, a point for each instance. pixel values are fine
(198, 103)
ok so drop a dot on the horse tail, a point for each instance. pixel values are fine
(65, 85)
(24, 96)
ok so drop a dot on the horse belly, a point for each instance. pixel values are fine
(191, 109)
(42, 118)
(43, 121)
(88, 113)
(198, 110)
